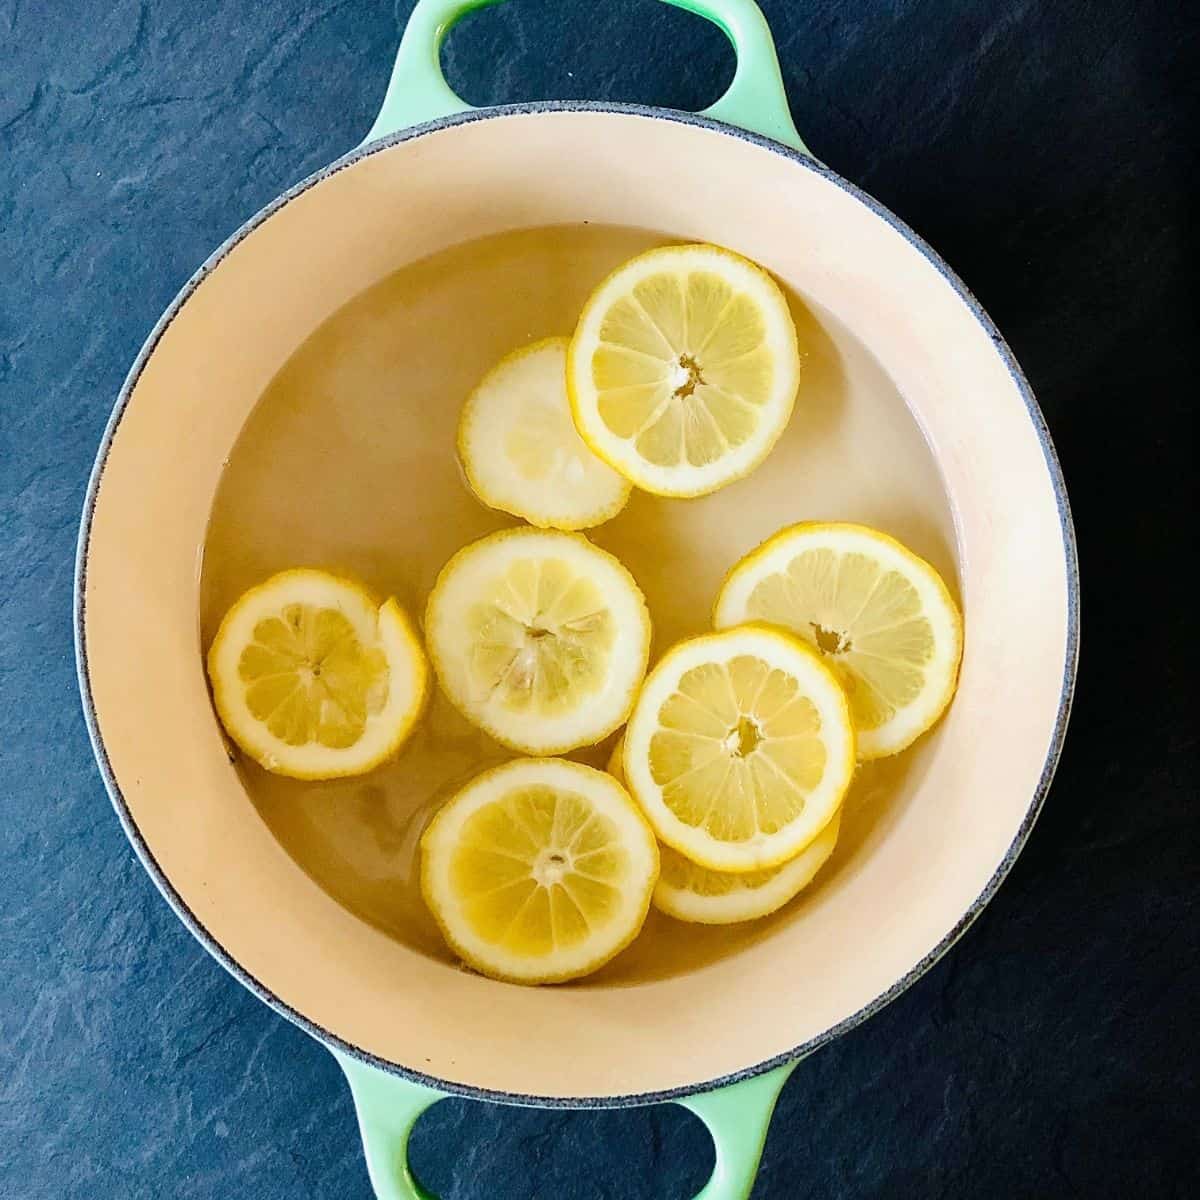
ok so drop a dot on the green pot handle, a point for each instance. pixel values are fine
(755, 101)
(737, 1116)
(387, 1108)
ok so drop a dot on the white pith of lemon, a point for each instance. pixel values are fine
(689, 892)
(539, 871)
(521, 451)
(313, 678)
(740, 748)
(538, 637)
(882, 618)
(683, 369)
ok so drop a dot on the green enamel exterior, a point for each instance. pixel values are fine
(388, 1106)
(755, 101)
(737, 1117)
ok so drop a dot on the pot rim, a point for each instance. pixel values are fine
(180, 905)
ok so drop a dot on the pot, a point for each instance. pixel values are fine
(919, 370)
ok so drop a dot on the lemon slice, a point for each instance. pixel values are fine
(539, 638)
(520, 449)
(689, 892)
(539, 871)
(683, 369)
(740, 748)
(313, 678)
(881, 617)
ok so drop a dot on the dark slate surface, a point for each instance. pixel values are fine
(1045, 148)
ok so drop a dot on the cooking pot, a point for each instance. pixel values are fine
(406, 1026)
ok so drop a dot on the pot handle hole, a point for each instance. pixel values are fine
(755, 101)
(388, 1107)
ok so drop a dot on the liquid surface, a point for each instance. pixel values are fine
(348, 463)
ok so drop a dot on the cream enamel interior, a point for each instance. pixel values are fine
(966, 796)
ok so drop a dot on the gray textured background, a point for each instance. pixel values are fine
(1047, 149)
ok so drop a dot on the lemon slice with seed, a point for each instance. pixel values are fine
(520, 449)
(539, 871)
(882, 618)
(539, 638)
(683, 369)
(313, 678)
(689, 892)
(740, 748)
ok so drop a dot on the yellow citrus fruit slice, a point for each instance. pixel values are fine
(683, 369)
(539, 871)
(313, 678)
(881, 617)
(538, 637)
(689, 892)
(520, 449)
(740, 748)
